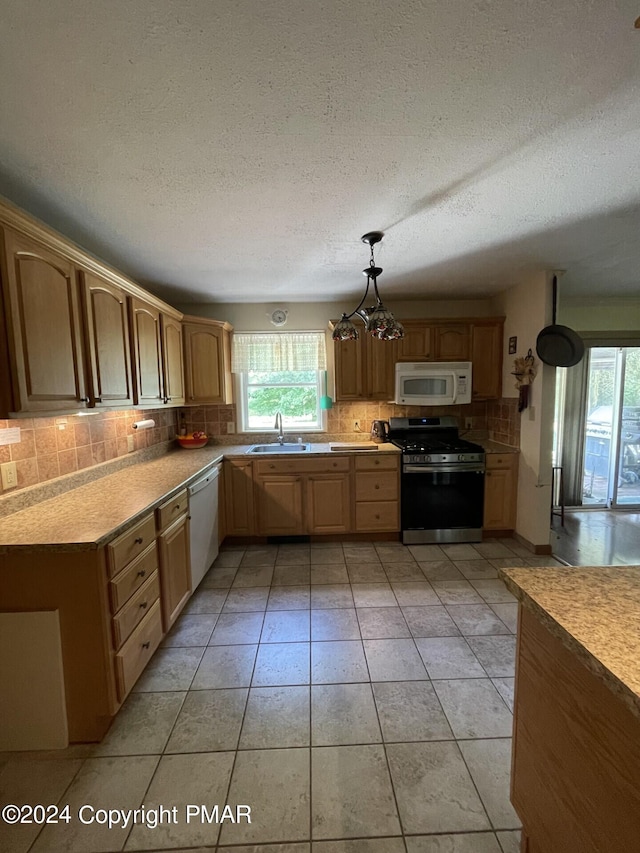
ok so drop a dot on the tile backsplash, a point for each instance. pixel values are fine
(215, 420)
(503, 421)
(53, 446)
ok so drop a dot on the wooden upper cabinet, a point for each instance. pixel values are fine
(44, 327)
(451, 342)
(147, 353)
(486, 358)
(381, 357)
(207, 353)
(172, 361)
(417, 343)
(349, 366)
(107, 339)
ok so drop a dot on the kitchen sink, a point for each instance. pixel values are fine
(280, 448)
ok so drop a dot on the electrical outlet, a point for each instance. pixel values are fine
(9, 475)
(231, 427)
(130, 444)
(468, 423)
(356, 426)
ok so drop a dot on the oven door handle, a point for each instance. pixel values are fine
(444, 469)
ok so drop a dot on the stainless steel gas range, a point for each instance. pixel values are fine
(442, 481)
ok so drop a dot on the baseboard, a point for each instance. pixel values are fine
(542, 550)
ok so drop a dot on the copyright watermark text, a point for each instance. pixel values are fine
(151, 817)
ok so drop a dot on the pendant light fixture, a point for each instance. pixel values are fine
(379, 322)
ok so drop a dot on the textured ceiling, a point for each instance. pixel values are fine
(232, 151)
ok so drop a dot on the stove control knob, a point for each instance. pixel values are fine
(428, 459)
(461, 457)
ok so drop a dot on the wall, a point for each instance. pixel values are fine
(51, 447)
(527, 309)
(600, 314)
(252, 317)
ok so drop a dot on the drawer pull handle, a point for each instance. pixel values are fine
(143, 605)
(146, 645)
(377, 485)
(142, 573)
(138, 541)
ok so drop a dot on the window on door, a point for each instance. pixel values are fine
(604, 449)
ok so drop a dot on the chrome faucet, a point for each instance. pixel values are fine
(278, 426)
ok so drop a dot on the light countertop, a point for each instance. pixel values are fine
(90, 515)
(594, 612)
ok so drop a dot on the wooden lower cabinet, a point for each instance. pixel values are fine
(575, 777)
(175, 570)
(377, 493)
(328, 503)
(279, 505)
(500, 491)
(238, 497)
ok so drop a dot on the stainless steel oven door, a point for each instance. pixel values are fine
(442, 503)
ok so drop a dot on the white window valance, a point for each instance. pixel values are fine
(278, 351)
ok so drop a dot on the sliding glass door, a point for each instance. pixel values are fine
(611, 439)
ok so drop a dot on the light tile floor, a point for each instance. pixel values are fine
(357, 697)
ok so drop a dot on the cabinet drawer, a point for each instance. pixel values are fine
(127, 547)
(172, 509)
(138, 650)
(374, 486)
(302, 466)
(377, 515)
(135, 609)
(122, 587)
(383, 462)
(500, 460)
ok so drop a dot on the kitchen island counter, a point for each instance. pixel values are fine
(576, 740)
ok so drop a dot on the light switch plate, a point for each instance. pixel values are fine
(9, 475)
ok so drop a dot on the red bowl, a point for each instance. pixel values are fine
(187, 441)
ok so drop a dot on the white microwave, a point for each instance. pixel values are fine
(433, 383)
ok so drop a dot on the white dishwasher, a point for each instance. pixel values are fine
(203, 509)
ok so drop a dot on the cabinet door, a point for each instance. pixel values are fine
(147, 356)
(451, 342)
(416, 344)
(107, 335)
(279, 505)
(328, 503)
(381, 357)
(499, 499)
(206, 364)
(486, 358)
(172, 362)
(349, 366)
(45, 336)
(175, 570)
(238, 497)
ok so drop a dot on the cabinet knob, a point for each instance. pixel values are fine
(188, 518)
(146, 645)
(84, 399)
(377, 516)
(142, 573)
(143, 605)
(138, 541)
(377, 486)
(177, 506)
(377, 462)
(488, 473)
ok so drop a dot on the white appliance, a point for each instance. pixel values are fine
(203, 509)
(433, 383)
